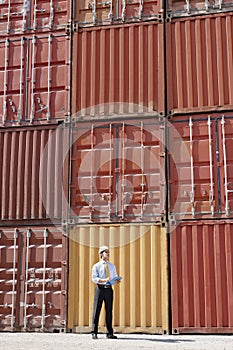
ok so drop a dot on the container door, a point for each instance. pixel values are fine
(14, 16)
(43, 296)
(50, 14)
(201, 183)
(117, 172)
(131, 10)
(50, 77)
(13, 77)
(97, 12)
(194, 183)
(33, 272)
(226, 154)
(9, 279)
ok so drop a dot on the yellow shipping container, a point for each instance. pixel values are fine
(139, 252)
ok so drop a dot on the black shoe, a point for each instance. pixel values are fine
(94, 336)
(111, 336)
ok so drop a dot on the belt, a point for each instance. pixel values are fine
(104, 286)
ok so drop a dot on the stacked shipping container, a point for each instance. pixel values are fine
(35, 44)
(134, 66)
(200, 103)
(118, 181)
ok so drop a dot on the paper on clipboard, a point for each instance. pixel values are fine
(114, 280)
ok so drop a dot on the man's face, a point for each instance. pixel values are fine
(105, 254)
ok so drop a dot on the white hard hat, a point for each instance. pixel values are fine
(103, 248)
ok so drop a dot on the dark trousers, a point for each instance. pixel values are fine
(106, 295)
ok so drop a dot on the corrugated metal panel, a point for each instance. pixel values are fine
(32, 278)
(34, 78)
(199, 62)
(99, 12)
(178, 8)
(202, 185)
(140, 255)
(118, 171)
(22, 16)
(201, 271)
(118, 66)
(21, 155)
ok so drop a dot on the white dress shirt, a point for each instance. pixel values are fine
(98, 271)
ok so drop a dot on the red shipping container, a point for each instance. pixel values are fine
(116, 66)
(201, 182)
(180, 8)
(117, 171)
(32, 278)
(34, 78)
(99, 12)
(202, 277)
(19, 17)
(31, 179)
(200, 63)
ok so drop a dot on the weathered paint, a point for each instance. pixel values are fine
(33, 278)
(118, 66)
(89, 13)
(197, 7)
(20, 17)
(140, 255)
(118, 171)
(22, 157)
(199, 63)
(200, 185)
(201, 276)
(34, 78)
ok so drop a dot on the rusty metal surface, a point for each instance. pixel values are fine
(117, 66)
(201, 276)
(34, 78)
(201, 185)
(21, 156)
(32, 278)
(22, 16)
(199, 63)
(97, 12)
(117, 171)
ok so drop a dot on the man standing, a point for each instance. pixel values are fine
(102, 274)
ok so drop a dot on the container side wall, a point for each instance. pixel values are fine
(119, 70)
(201, 260)
(140, 255)
(20, 17)
(31, 173)
(199, 63)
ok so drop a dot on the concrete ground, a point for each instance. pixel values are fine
(65, 341)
